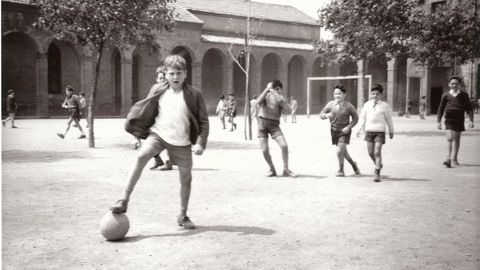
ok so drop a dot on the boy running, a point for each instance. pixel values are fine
(174, 118)
(271, 105)
(454, 104)
(339, 112)
(374, 119)
(11, 108)
(72, 104)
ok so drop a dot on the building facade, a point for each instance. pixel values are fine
(208, 34)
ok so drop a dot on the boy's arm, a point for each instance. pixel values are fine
(354, 115)
(324, 112)
(262, 96)
(203, 125)
(469, 109)
(440, 111)
(362, 120)
(388, 118)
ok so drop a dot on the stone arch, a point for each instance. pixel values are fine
(19, 71)
(213, 65)
(319, 89)
(271, 68)
(296, 83)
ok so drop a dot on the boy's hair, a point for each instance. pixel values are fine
(161, 69)
(341, 87)
(423, 97)
(175, 61)
(222, 97)
(277, 83)
(378, 88)
(231, 94)
(455, 78)
(82, 94)
(10, 91)
(69, 88)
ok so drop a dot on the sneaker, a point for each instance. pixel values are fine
(356, 169)
(61, 135)
(455, 162)
(158, 163)
(271, 173)
(376, 178)
(340, 174)
(185, 222)
(14, 127)
(447, 163)
(75, 125)
(82, 137)
(120, 206)
(167, 167)
(288, 173)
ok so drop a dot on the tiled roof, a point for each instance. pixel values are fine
(258, 42)
(183, 15)
(257, 10)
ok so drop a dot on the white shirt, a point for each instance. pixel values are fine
(454, 93)
(172, 123)
(375, 117)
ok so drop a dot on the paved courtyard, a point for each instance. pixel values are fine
(422, 216)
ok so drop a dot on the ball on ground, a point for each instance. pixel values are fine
(114, 226)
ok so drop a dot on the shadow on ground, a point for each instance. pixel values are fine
(20, 156)
(431, 133)
(242, 230)
(388, 178)
(245, 145)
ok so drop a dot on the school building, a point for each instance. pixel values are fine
(208, 34)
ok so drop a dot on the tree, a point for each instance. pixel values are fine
(449, 34)
(98, 23)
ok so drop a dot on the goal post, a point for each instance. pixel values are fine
(310, 79)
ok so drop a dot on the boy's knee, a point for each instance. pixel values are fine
(377, 154)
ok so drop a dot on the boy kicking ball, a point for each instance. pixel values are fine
(180, 121)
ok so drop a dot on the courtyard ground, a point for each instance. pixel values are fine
(422, 216)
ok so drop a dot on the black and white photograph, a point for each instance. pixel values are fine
(240, 134)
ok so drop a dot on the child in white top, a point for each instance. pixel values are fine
(374, 119)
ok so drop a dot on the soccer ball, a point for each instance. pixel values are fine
(114, 226)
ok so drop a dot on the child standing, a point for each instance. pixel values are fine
(454, 104)
(294, 106)
(422, 107)
(374, 118)
(271, 105)
(222, 110)
(72, 104)
(232, 111)
(339, 112)
(173, 117)
(11, 108)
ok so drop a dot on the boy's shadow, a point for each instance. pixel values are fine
(306, 176)
(242, 230)
(388, 178)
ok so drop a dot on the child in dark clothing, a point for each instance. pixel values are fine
(11, 108)
(454, 104)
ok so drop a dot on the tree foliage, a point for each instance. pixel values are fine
(97, 24)
(366, 29)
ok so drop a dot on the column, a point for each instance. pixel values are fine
(391, 80)
(42, 85)
(228, 77)
(361, 84)
(126, 86)
(425, 88)
(197, 75)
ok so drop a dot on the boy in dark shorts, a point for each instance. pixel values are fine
(454, 104)
(374, 119)
(173, 117)
(339, 112)
(72, 104)
(11, 108)
(271, 105)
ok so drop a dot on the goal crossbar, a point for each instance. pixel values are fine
(310, 79)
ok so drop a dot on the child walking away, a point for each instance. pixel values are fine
(339, 112)
(422, 107)
(222, 110)
(271, 104)
(454, 104)
(375, 117)
(172, 117)
(72, 104)
(11, 108)
(232, 111)
(83, 107)
(294, 106)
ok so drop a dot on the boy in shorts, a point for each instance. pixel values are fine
(339, 112)
(271, 105)
(177, 119)
(11, 108)
(374, 119)
(72, 104)
(454, 104)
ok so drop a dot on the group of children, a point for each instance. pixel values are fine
(76, 106)
(227, 108)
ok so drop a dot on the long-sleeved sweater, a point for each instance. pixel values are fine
(375, 117)
(458, 104)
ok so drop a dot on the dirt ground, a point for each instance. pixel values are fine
(422, 216)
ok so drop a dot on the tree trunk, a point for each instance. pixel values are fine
(91, 105)
(248, 117)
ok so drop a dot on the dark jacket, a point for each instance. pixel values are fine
(142, 114)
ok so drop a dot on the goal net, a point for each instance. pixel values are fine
(333, 78)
